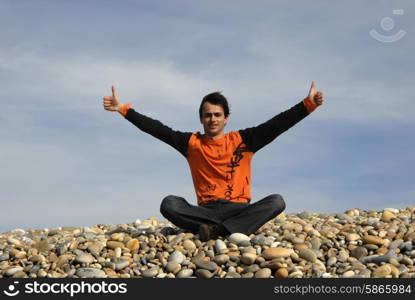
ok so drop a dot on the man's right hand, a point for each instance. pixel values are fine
(112, 103)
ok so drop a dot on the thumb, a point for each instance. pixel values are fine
(114, 92)
(312, 92)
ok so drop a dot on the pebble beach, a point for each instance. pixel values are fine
(352, 244)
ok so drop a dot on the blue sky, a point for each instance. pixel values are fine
(65, 161)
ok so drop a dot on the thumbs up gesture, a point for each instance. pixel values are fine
(316, 97)
(112, 103)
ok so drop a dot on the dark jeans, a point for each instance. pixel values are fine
(232, 216)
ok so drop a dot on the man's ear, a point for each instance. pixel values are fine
(226, 120)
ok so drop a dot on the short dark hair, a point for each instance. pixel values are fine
(215, 98)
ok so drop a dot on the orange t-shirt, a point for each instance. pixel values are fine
(221, 168)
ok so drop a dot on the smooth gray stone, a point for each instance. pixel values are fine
(120, 263)
(4, 256)
(84, 258)
(173, 267)
(359, 252)
(232, 274)
(244, 243)
(220, 245)
(207, 265)
(406, 247)
(309, 255)
(261, 240)
(177, 239)
(315, 243)
(108, 264)
(371, 246)
(406, 260)
(378, 258)
(176, 256)
(150, 272)
(185, 273)
(263, 273)
(221, 259)
(252, 268)
(62, 248)
(395, 244)
(237, 238)
(90, 273)
(35, 269)
(12, 271)
(203, 273)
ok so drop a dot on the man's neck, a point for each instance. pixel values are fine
(213, 137)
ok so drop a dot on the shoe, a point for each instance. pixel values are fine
(208, 232)
(169, 231)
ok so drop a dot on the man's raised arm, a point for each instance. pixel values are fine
(257, 137)
(177, 139)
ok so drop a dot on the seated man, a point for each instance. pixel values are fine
(220, 165)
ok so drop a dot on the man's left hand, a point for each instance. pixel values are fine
(316, 97)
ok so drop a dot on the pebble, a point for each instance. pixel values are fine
(133, 244)
(189, 245)
(207, 265)
(237, 238)
(202, 273)
(150, 272)
(248, 258)
(370, 239)
(387, 216)
(12, 271)
(348, 274)
(232, 274)
(352, 237)
(263, 273)
(185, 273)
(220, 246)
(84, 258)
(173, 267)
(275, 252)
(114, 244)
(359, 252)
(378, 258)
(221, 259)
(37, 258)
(281, 273)
(4, 257)
(90, 273)
(382, 271)
(261, 240)
(308, 255)
(356, 243)
(177, 256)
(120, 263)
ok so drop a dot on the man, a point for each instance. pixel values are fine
(220, 165)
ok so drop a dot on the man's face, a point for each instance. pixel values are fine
(213, 120)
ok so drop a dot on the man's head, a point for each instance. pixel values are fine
(214, 114)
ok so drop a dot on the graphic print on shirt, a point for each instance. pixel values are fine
(234, 163)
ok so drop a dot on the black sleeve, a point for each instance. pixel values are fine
(177, 139)
(257, 137)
